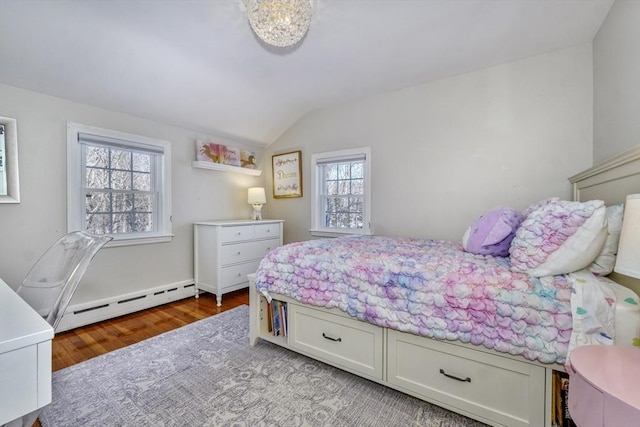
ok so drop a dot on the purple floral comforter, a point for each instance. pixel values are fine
(427, 287)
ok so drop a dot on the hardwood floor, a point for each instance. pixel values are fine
(83, 343)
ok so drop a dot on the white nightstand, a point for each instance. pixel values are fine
(226, 251)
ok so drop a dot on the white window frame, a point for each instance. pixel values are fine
(76, 197)
(317, 228)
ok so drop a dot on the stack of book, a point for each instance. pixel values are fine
(277, 318)
(560, 416)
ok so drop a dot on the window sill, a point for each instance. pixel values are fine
(133, 241)
(225, 168)
(336, 233)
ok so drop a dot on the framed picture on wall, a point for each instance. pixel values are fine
(287, 174)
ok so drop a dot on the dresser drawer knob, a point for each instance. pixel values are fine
(325, 336)
(464, 380)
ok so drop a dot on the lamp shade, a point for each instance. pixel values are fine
(256, 196)
(628, 258)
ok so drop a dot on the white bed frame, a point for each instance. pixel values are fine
(495, 388)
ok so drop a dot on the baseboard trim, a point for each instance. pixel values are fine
(96, 311)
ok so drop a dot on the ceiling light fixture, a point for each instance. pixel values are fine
(280, 23)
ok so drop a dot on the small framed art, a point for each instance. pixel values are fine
(287, 175)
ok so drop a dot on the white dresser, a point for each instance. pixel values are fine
(226, 251)
(25, 357)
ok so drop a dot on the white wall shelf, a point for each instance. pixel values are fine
(226, 168)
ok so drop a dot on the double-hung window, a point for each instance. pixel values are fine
(341, 192)
(118, 184)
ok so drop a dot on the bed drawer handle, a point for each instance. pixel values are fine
(331, 338)
(464, 380)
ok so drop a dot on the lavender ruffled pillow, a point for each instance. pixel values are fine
(559, 237)
(539, 205)
(491, 234)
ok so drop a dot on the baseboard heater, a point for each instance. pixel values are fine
(85, 310)
(108, 308)
(133, 299)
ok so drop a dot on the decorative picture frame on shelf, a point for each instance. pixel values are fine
(230, 155)
(207, 151)
(287, 174)
(247, 158)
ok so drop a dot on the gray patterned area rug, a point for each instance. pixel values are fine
(206, 374)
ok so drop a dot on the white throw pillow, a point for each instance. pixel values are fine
(559, 237)
(605, 262)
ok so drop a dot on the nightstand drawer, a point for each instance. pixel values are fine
(267, 231)
(339, 340)
(237, 233)
(241, 252)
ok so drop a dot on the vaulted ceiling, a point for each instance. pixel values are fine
(197, 64)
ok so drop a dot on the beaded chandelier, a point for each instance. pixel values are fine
(280, 23)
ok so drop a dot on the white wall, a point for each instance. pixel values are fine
(616, 62)
(445, 152)
(27, 229)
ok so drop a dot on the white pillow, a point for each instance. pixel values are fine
(559, 237)
(605, 262)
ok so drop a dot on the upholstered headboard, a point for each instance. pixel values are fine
(611, 181)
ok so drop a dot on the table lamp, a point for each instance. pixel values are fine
(256, 198)
(628, 258)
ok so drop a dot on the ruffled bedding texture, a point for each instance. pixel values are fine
(435, 289)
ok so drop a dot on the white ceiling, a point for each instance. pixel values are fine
(197, 64)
